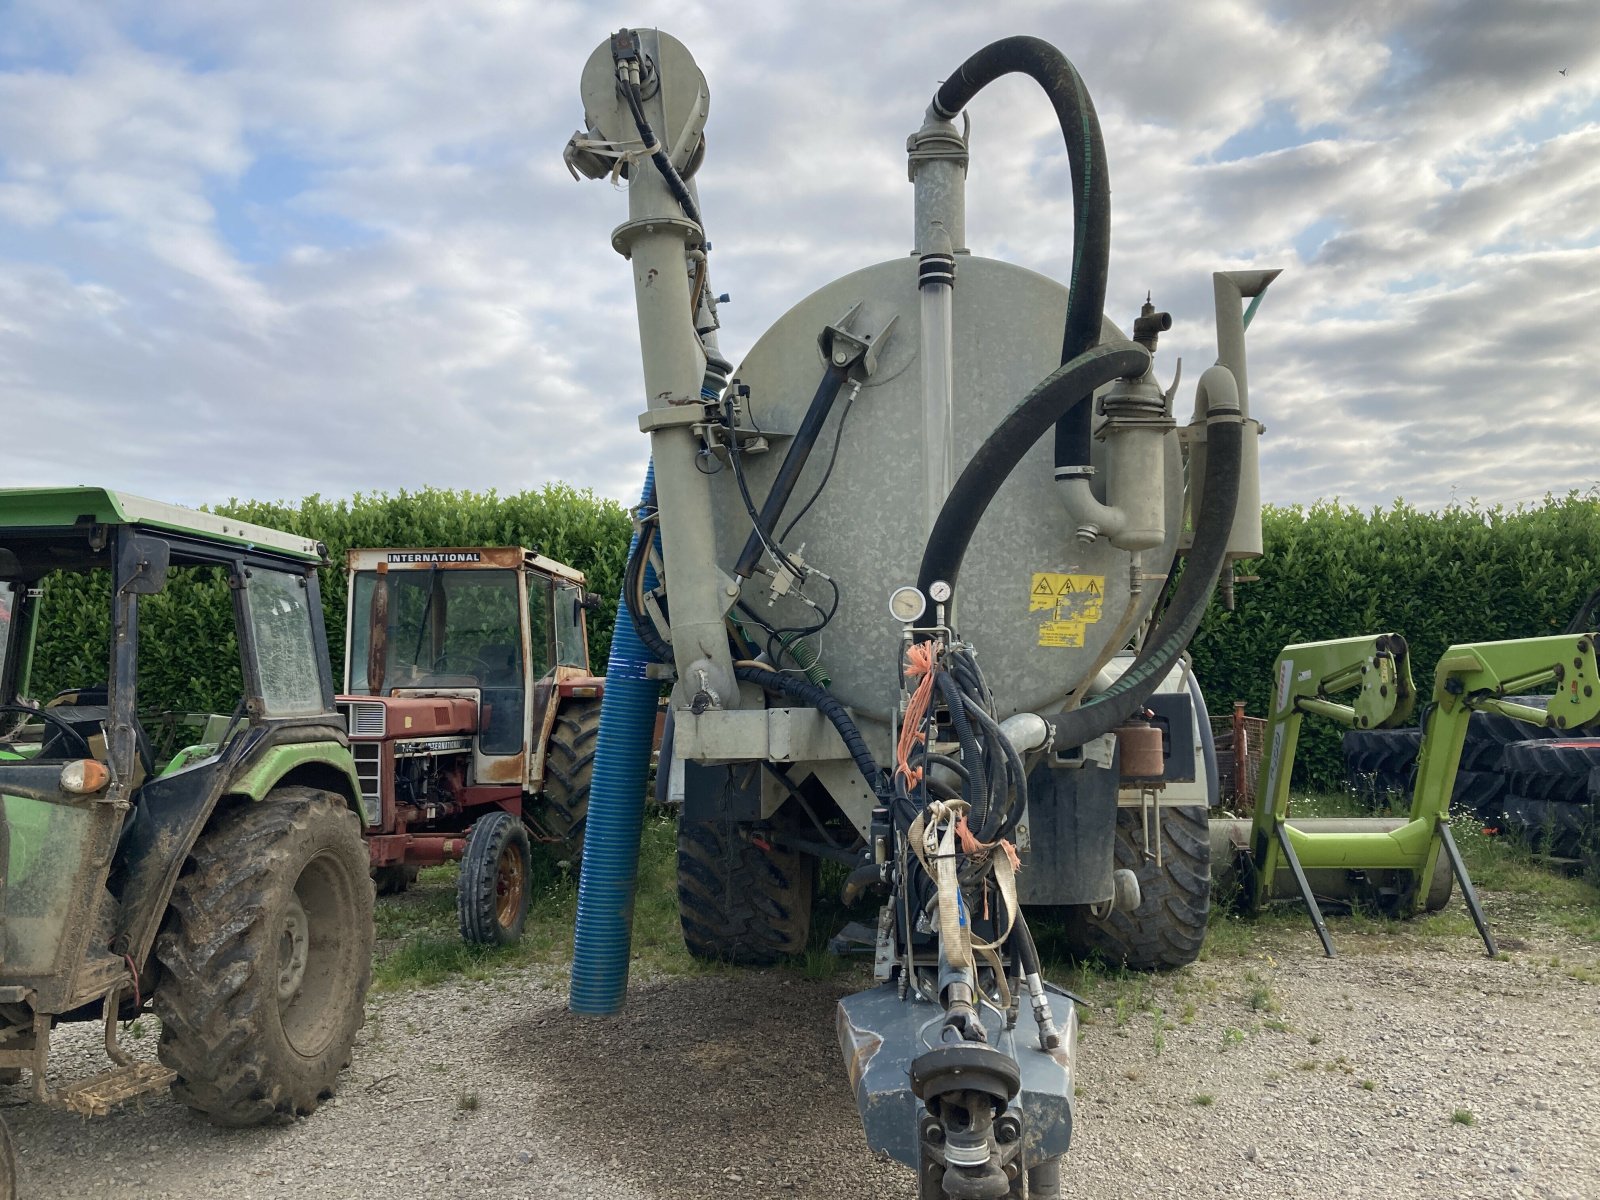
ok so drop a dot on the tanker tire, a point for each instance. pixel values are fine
(1168, 927)
(568, 770)
(496, 881)
(284, 876)
(741, 899)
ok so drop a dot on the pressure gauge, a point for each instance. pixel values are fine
(939, 591)
(907, 604)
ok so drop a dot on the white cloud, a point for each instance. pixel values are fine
(264, 249)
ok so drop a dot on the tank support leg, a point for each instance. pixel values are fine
(1305, 889)
(1468, 892)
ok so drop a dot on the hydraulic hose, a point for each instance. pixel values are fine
(789, 472)
(825, 702)
(1011, 440)
(1213, 526)
(603, 934)
(1091, 204)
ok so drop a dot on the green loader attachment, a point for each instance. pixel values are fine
(1396, 861)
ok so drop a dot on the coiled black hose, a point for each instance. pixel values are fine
(1100, 714)
(1091, 201)
(823, 701)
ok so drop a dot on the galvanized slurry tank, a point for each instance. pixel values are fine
(892, 612)
(1045, 602)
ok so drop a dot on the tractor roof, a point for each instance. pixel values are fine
(44, 508)
(459, 558)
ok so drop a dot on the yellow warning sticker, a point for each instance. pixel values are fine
(1073, 602)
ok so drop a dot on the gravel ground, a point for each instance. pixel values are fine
(1326, 1078)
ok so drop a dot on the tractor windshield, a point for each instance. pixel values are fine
(443, 628)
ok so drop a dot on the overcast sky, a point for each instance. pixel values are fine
(264, 248)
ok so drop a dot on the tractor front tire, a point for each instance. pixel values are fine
(1168, 927)
(495, 882)
(742, 899)
(266, 954)
(568, 769)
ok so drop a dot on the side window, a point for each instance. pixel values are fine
(285, 651)
(189, 666)
(539, 625)
(570, 648)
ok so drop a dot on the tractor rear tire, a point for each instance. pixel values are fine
(568, 770)
(496, 881)
(266, 954)
(1168, 927)
(742, 899)
(1381, 762)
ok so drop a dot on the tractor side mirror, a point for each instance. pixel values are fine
(591, 601)
(378, 632)
(142, 564)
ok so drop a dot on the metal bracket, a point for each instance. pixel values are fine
(842, 344)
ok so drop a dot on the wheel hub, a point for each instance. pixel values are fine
(508, 886)
(294, 944)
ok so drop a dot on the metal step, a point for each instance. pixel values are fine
(99, 1094)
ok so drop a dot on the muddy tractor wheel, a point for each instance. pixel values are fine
(8, 1165)
(496, 878)
(568, 768)
(740, 898)
(266, 955)
(1169, 925)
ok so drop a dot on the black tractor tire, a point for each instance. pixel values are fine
(394, 879)
(1560, 828)
(1555, 769)
(1168, 927)
(1478, 794)
(568, 771)
(1381, 762)
(742, 899)
(496, 881)
(266, 953)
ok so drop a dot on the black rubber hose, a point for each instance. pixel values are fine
(1162, 649)
(1091, 200)
(974, 788)
(793, 463)
(1004, 448)
(823, 701)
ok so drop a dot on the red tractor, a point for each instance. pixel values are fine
(472, 715)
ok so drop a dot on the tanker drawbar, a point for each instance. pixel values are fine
(911, 568)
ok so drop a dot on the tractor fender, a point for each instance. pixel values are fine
(172, 811)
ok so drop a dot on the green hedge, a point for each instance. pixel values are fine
(188, 659)
(1463, 574)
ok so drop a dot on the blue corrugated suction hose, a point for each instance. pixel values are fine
(604, 932)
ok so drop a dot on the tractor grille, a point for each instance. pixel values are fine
(369, 767)
(364, 718)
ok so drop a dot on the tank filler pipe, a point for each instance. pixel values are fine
(1091, 205)
(603, 934)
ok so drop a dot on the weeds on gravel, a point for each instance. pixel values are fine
(1464, 1116)
(1203, 1100)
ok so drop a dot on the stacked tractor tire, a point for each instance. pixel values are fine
(1519, 780)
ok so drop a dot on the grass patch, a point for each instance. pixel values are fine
(1203, 1100)
(1463, 1116)
(420, 942)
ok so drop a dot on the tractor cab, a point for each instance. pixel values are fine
(497, 632)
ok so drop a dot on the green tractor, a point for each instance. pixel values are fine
(206, 866)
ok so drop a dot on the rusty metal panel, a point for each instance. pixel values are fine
(444, 558)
